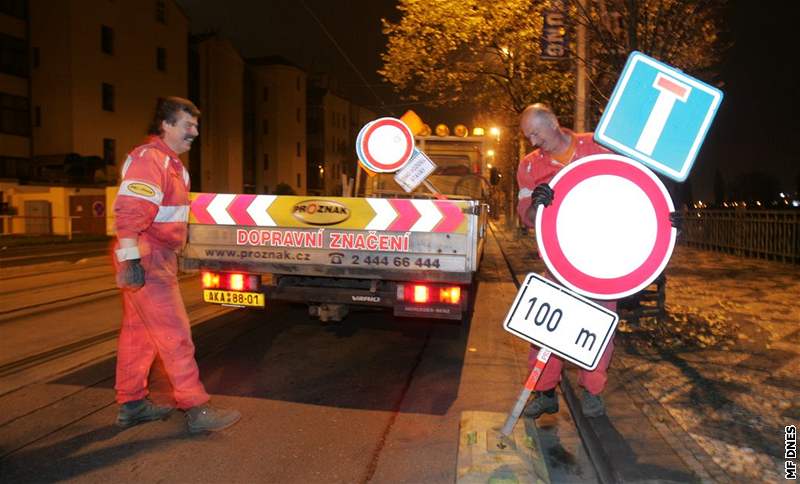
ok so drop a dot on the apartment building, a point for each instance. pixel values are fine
(330, 147)
(96, 70)
(275, 126)
(216, 83)
(15, 125)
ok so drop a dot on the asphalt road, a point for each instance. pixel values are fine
(372, 399)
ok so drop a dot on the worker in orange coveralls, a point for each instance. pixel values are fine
(152, 211)
(557, 147)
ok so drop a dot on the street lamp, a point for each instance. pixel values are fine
(495, 131)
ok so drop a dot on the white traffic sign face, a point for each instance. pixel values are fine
(415, 172)
(566, 323)
(386, 145)
(658, 115)
(607, 234)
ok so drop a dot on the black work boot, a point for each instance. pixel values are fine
(544, 402)
(592, 405)
(140, 411)
(205, 418)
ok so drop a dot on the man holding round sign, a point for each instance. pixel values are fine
(557, 148)
(604, 228)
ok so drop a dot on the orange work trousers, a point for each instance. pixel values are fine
(594, 381)
(154, 322)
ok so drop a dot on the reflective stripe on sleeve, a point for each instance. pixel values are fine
(524, 193)
(127, 165)
(140, 189)
(172, 213)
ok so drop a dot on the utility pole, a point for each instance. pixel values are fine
(580, 73)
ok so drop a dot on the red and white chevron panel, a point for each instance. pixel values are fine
(394, 215)
(402, 215)
(227, 209)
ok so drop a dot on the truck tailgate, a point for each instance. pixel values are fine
(372, 238)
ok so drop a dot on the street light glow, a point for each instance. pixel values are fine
(490, 152)
(494, 131)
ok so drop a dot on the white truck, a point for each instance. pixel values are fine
(416, 255)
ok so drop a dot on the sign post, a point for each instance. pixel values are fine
(541, 360)
(557, 321)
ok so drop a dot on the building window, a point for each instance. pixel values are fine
(15, 8)
(106, 39)
(14, 115)
(161, 59)
(265, 94)
(108, 97)
(297, 114)
(266, 162)
(298, 180)
(265, 126)
(37, 116)
(298, 148)
(161, 11)
(13, 56)
(109, 150)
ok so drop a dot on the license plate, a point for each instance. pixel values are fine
(255, 299)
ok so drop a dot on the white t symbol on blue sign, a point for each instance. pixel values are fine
(658, 116)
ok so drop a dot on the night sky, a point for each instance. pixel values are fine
(748, 135)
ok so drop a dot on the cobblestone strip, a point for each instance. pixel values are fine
(681, 442)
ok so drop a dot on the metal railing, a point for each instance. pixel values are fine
(764, 234)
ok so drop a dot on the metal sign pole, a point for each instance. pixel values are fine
(433, 190)
(530, 384)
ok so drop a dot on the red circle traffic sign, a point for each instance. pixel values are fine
(607, 234)
(387, 144)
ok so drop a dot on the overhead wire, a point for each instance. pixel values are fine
(346, 57)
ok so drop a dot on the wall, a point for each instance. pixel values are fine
(58, 197)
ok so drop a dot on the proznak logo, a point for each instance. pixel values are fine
(320, 212)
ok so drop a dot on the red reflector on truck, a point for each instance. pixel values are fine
(429, 293)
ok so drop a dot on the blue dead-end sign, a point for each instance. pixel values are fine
(658, 115)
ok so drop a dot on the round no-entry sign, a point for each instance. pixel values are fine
(385, 145)
(607, 234)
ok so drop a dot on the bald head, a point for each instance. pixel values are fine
(540, 125)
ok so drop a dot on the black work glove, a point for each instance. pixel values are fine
(130, 274)
(676, 220)
(542, 195)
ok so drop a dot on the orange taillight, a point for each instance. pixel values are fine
(210, 280)
(236, 282)
(450, 295)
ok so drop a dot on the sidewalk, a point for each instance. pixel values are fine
(714, 383)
